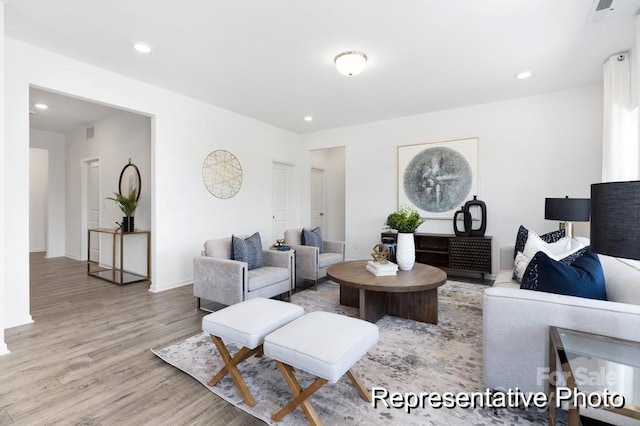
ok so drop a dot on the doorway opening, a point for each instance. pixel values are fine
(327, 206)
(38, 200)
(88, 145)
(281, 199)
(90, 209)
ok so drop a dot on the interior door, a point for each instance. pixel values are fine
(93, 208)
(318, 216)
(281, 200)
(38, 203)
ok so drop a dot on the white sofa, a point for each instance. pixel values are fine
(516, 324)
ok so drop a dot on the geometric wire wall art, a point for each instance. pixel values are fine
(222, 174)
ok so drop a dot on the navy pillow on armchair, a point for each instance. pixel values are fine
(247, 250)
(583, 277)
(313, 237)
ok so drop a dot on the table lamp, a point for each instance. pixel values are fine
(567, 210)
(615, 219)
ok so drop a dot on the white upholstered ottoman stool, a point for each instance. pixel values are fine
(246, 324)
(324, 344)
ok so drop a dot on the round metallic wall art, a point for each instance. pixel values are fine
(222, 174)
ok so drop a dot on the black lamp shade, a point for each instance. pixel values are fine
(615, 219)
(567, 209)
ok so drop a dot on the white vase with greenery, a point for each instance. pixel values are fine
(405, 221)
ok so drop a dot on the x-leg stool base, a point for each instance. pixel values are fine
(230, 364)
(301, 396)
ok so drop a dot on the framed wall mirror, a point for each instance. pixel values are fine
(130, 180)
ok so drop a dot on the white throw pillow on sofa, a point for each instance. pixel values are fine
(557, 250)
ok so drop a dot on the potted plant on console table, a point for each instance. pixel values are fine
(405, 221)
(128, 206)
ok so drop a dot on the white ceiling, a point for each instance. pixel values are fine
(273, 60)
(64, 113)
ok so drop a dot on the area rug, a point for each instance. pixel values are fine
(410, 356)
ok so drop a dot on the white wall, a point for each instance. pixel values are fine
(332, 162)
(54, 143)
(117, 139)
(38, 182)
(3, 239)
(184, 132)
(529, 148)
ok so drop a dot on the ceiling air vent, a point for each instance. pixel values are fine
(90, 132)
(603, 4)
(601, 9)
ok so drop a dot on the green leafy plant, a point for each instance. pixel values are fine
(127, 204)
(405, 220)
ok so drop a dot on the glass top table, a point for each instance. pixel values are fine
(602, 371)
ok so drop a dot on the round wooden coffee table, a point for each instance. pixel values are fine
(409, 294)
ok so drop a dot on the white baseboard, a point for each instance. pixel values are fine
(170, 286)
(72, 256)
(3, 349)
(16, 322)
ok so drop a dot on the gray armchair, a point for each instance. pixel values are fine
(218, 278)
(310, 263)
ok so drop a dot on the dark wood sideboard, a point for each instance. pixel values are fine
(451, 253)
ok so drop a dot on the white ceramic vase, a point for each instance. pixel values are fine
(405, 251)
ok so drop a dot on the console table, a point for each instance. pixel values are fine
(118, 275)
(451, 253)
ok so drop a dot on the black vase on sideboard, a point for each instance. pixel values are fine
(466, 222)
(465, 211)
(475, 203)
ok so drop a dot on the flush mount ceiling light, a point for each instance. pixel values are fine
(522, 75)
(308, 118)
(350, 63)
(142, 47)
(41, 106)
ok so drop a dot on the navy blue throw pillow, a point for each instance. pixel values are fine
(247, 250)
(313, 237)
(523, 235)
(583, 277)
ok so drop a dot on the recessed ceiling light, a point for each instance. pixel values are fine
(308, 118)
(41, 106)
(142, 47)
(522, 75)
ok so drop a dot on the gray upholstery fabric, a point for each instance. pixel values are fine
(218, 278)
(310, 264)
(266, 276)
(327, 259)
(293, 237)
(220, 248)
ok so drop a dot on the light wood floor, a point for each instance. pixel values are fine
(86, 359)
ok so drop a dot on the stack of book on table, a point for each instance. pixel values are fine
(382, 269)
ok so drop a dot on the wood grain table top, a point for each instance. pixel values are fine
(354, 274)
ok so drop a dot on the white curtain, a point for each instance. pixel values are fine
(620, 124)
